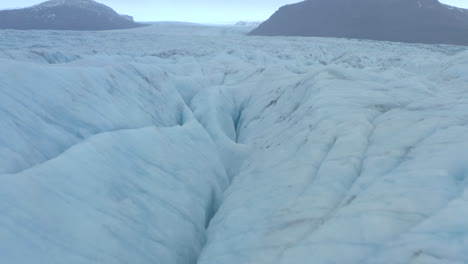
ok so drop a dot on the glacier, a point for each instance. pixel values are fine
(181, 144)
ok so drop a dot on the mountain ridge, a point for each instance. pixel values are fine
(66, 15)
(414, 21)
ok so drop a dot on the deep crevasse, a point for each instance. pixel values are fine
(339, 151)
(111, 160)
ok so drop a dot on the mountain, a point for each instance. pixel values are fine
(413, 21)
(66, 15)
(247, 24)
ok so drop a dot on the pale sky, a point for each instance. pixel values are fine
(202, 11)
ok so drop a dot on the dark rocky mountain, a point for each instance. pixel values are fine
(66, 15)
(414, 21)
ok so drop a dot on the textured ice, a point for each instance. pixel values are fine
(185, 144)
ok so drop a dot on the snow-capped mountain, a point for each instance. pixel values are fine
(183, 144)
(414, 21)
(66, 15)
(247, 23)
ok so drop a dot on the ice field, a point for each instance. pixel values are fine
(184, 144)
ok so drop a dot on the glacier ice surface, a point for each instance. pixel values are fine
(180, 143)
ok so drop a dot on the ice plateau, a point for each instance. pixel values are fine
(183, 144)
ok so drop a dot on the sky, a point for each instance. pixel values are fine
(200, 11)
